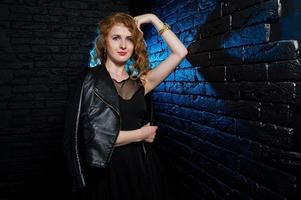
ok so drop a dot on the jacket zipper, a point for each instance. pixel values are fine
(112, 107)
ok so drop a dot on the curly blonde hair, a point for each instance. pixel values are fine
(139, 57)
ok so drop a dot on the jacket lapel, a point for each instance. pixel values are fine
(104, 87)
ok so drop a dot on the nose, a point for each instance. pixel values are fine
(123, 44)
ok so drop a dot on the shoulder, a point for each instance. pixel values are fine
(89, 73)
(86, 78)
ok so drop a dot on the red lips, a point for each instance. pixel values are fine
(121, 53)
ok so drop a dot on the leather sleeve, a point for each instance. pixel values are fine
(71, 134)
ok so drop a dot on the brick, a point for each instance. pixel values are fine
(194, 88)
(186, 23)
(18, 17)
(216, 27)
(79, 49)
(185, 75)
(180, 99)
(91, 13)
(206, 44)
(284, 70)
(199, 20)
(276, 113)
(46, 3)
(48, 49)
(30, 88)
(42, 34)
(176, 88)
(22, 49)
(28, 10)
(75, 4)
(223, 90)
(24, 97)
(206, 7)
(80, 35)
(49, 19)
(281, 50)
(64, 12)
(215, 74)
(247, 36)
(240, 109)
(263, 12)
(252, 72)
(17, 34)
(288, 23)
(279, 92)
(63, 27)
(227, 56)
(187, 36)
(223, 123)
(206, 103)
(58, 41)
(21, 41)
(82, 20)
(28, 25)
(199, 59)
(229, 6)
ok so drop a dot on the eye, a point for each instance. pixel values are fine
(116, 37)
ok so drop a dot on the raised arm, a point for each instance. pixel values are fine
(178, 52)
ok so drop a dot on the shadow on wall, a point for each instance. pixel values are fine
(231, 115)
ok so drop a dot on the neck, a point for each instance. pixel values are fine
(115, 68)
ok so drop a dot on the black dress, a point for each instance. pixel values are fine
(134, 172)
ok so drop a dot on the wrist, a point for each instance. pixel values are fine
(164, 28)
(139, 135)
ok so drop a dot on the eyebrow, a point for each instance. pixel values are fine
(120, 35)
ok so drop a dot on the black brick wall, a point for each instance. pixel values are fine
(229, 117)
(44, 45)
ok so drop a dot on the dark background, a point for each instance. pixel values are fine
(229, 115)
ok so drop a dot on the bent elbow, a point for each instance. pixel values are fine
(183, 53)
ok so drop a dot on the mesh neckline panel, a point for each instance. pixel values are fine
(126, 88)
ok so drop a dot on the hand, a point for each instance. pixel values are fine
(148, 132)
(142, 19)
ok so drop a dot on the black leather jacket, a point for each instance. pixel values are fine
(93, 123)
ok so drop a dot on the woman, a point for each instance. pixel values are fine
(108, 124)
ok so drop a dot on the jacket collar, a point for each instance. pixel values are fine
(104, 87)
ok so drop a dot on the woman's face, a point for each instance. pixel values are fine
(119, 44)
